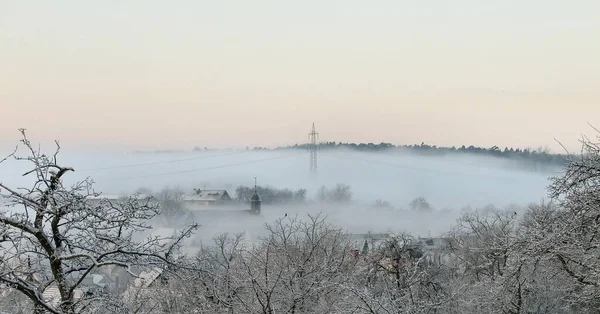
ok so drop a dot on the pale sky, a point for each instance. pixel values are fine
(176, 74)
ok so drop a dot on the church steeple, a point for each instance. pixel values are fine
(255, 200)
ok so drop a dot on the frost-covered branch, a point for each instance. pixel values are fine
(53, 234)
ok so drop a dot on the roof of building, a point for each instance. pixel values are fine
(51, 295)
(146, 278)
(142, 282)
(207, 195)
(374, 236)
(196, 195)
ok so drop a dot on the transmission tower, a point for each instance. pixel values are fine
(313, 136)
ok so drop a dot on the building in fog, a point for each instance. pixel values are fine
(197, 198)
(207, 198)
(205, 203)
(255, 202)
(199, 207)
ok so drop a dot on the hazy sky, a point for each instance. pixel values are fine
(235, 73)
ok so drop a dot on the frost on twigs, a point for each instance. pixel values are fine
(53, 237)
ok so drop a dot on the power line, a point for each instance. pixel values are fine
(162, 162)
(208, 168)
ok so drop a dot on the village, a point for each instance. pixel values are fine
(208, 206)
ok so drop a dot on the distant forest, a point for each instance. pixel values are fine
(539, 158)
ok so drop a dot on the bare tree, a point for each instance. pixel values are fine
(402, 277)
(420, 204)
(341, 193)
(52, 236)
(483, 240)
(170, 200)
(297, 268)
(220, 281)
(382, 204)
(571, 234)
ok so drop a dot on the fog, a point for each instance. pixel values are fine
(398, 178)
(449, 184)
(352, 218)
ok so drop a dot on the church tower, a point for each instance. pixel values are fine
(255, 200)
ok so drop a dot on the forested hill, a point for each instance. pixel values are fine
(540, 157)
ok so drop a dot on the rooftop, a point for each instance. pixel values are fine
(207, 195)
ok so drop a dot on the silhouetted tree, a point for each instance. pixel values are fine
(341, 193)
(52, 236)
(271, 195)
(420, 204)
(382, 204)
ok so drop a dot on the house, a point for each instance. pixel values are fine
(12, 298)
(52, 296)
(195, 199)
(208, 202)
(142, 285)
(207, 197)
(370, 240)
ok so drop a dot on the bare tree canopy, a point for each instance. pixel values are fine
(52, 236)
(541, 259)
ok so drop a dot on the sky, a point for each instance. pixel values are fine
(178, 74)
